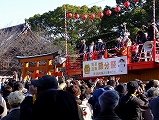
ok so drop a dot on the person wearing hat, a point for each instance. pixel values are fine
(36, 88)
(14, 100)
(55, 104)
(132, 105)
(108, 102)
(100, 48)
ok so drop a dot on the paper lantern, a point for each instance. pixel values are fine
(117, 9)
(100, 15)
(136, 0)
(69, 15)
(76, 16)
(92, 16)
(127, 4)
(108, 12)
(84, 17)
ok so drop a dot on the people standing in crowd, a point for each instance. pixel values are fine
(135, 101)
(18, 86)
(152, 83)
(150, 31)
(126, 37)
(14, 100)
(76, 92)
(150, 93)
(2, 84)
(111, 84)
(100, 48)
(91, 50)
(140, 37)
(121, 89)
(7, 89)
(15, 75)
(37, 87)
(94, 101)
(154, 103)
(108, 102)
(119, 47)
(135, 50)
(86, 107)
(55, 104)
(119, 44)
(82, 49)
(127, 41)
(3, 107)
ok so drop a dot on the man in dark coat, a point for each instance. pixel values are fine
(82, 48)
(100, 48)
(14, 100)
(150, 31)
(132, 105)
(55, 104)
(140, 37)
(42, 84)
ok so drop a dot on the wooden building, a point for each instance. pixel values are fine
(19, 40)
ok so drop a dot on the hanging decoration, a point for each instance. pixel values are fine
(92, 16)
(127, 4)
(117, 9)
(100, 15)
(84, 17)
(136, 0)
(108, 12)
(76, 16)
(69, 15)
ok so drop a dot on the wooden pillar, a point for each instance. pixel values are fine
(25, 72)
(48, 70)
(36, 71)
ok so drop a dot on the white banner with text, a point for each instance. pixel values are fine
(105, 67)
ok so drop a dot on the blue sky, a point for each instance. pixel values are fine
(14, 12)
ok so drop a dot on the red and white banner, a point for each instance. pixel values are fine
(105, 67)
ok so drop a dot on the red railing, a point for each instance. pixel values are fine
(74, 62)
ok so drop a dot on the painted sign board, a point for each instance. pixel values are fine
(105, 67)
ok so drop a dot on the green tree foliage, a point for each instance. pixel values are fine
(136, 15)
(52, 24)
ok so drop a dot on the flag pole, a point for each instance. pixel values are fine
(65, 32)
(154, 37)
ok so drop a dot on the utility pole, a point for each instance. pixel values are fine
(154, 31)
(66, 32)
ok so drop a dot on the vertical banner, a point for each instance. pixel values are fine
(105, 67)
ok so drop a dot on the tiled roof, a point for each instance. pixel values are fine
(10, 34)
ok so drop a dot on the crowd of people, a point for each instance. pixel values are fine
(100, 47)
(70, 99)
(101, 99)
